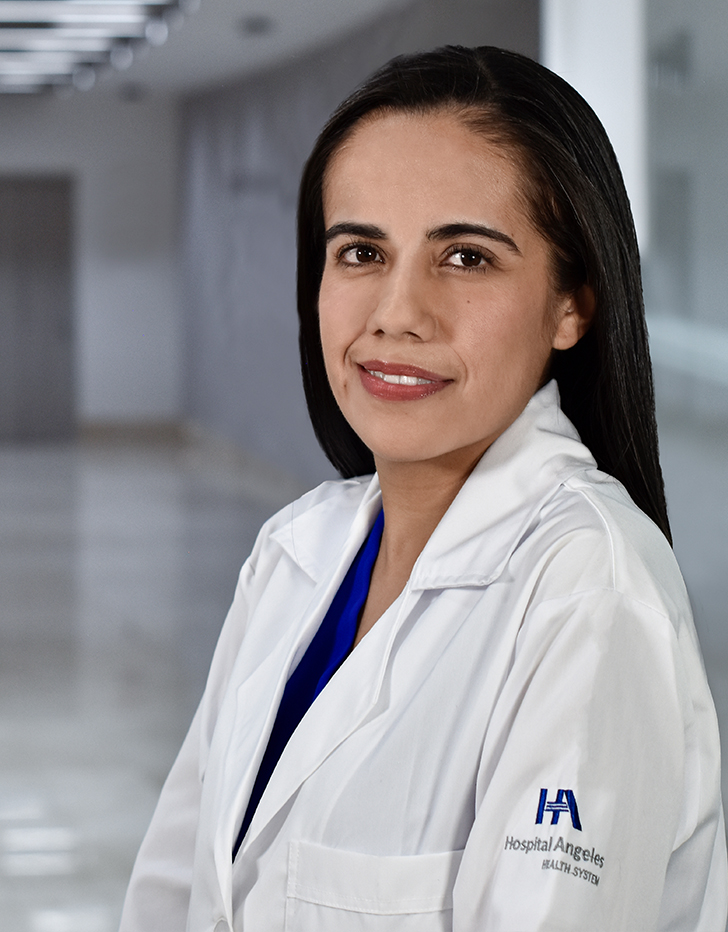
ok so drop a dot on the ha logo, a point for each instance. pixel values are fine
(565, 801)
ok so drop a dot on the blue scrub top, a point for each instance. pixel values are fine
(326, 652)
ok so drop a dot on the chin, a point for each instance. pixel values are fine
(397, 447)
(411, 454)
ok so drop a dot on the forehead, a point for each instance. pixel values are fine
(426, 160)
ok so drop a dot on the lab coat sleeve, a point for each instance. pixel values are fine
(599, 703)
(158, 896)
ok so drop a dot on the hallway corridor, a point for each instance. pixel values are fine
(117, 564)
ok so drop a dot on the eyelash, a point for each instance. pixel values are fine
(351, 247)
(487, 259)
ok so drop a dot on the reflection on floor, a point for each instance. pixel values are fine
(117, 564)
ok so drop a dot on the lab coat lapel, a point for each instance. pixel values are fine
(263, 688)
(246, 743)
(348, 699)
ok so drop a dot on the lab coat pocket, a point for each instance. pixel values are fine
(342, 891)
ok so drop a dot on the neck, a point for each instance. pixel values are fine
(415, 496)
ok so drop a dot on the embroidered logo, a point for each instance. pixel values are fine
(565, 801)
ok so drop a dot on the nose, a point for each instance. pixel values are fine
(403, 308)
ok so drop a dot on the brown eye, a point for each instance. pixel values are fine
(469, 258)
(365, 254)
(358, 254)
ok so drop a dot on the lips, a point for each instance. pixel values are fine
(399, 381)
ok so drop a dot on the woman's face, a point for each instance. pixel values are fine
(436, 307)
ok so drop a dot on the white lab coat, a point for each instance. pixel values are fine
(541, 660)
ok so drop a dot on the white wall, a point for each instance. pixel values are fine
(686, 272)
(655, 72)
(599, 47)
(122, 157)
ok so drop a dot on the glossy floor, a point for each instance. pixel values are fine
(117, 565)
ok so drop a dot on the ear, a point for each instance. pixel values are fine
(574, 317)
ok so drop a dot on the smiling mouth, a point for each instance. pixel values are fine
(395, 381)
(398, 379)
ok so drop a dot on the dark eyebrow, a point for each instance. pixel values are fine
(453, 230)
(364, 230)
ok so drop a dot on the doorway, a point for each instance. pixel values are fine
(36, 346)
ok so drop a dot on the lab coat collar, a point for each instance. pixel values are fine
(515, 476)
(497, 503)
(330, 527)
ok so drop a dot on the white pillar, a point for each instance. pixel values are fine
(599, 47)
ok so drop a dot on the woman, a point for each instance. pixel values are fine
(491, 714)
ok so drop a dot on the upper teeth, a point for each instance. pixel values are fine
(399, 379)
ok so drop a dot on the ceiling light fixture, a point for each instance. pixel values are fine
(48, 44)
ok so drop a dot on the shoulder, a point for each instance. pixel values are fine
(591, 537)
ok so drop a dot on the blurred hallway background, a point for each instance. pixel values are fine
(151, 415)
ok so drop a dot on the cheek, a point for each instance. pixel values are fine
(342, 316)
(508, 342)
(328, 319)
(328, 343)
(336, 335)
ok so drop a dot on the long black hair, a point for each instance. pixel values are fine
(577, 201)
